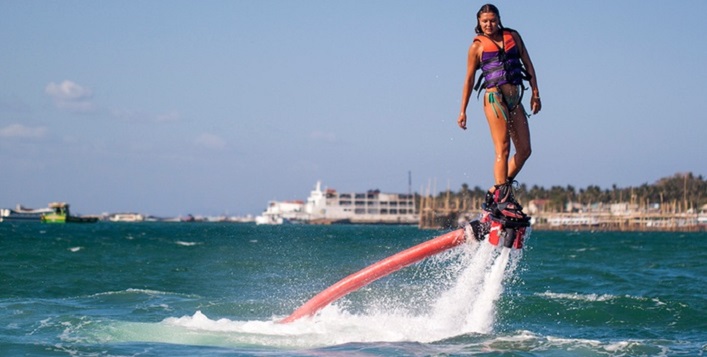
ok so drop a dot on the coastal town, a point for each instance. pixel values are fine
(58, 212)
(445, 210)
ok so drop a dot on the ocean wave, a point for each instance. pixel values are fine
(596, 297)
(187, 244)
(538, 344)
(133, 291)
(576, 296)
(347, 334)
(332, 326)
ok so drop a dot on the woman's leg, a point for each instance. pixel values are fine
(520, 134)
(494, 108)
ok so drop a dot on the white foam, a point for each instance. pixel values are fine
(576, 296)
(454, 305)
(331, 326)
(467, 306)
(139, 291)
(471, 278)
(482, 314)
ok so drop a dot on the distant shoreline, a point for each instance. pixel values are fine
(633, 222)
(613, 228)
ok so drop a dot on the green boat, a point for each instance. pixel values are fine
(61, 215)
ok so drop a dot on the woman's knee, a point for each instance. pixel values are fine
(524, 153)
(503, 152)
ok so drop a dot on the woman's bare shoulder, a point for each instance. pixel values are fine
(476, 46)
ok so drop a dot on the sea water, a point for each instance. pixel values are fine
(190, 289)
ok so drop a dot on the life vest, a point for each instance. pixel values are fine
(500, 65)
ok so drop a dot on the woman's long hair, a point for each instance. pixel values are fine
(485, 9)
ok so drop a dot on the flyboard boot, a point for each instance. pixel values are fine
(505, 215)
(475, 230)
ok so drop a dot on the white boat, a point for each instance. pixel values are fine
(22, 214)
(126, 217)
(270, 219)
(329, 206)
(280, 212)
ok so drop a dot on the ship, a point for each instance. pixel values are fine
(22, 214)
(60, 214)
(331, 207)
(281, 212)
(126, 217)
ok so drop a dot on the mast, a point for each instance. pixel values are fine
(409, 182)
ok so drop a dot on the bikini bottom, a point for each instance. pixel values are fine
(496, 99)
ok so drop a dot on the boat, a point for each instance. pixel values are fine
(332, 207)
(22, 214)
(370, 207)
(126, 217)
(60, 214)
(280, 212)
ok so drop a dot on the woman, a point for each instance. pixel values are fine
(504, 61)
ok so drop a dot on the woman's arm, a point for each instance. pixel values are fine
(472, 64)
(535, 105)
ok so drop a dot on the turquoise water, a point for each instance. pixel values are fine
(183, 289)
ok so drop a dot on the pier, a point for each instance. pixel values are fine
(446, 210)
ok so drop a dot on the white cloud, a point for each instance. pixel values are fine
(70, 96)
(210, 141)
(24, 132)
(68, 90)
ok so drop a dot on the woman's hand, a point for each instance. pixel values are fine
(462, 120)
(535, 104)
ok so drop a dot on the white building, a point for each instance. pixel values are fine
(330, 206)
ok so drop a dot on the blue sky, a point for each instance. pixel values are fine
(210, 107)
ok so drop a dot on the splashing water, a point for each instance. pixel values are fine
(481, 317)
(469, 306)
(475, 272)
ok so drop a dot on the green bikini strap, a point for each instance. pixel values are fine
(495, 104)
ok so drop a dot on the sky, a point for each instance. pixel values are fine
(213, 107)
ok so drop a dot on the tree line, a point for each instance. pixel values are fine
(683, 190)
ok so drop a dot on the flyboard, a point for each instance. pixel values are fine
(509, 233)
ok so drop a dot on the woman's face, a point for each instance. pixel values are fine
(489, 23)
